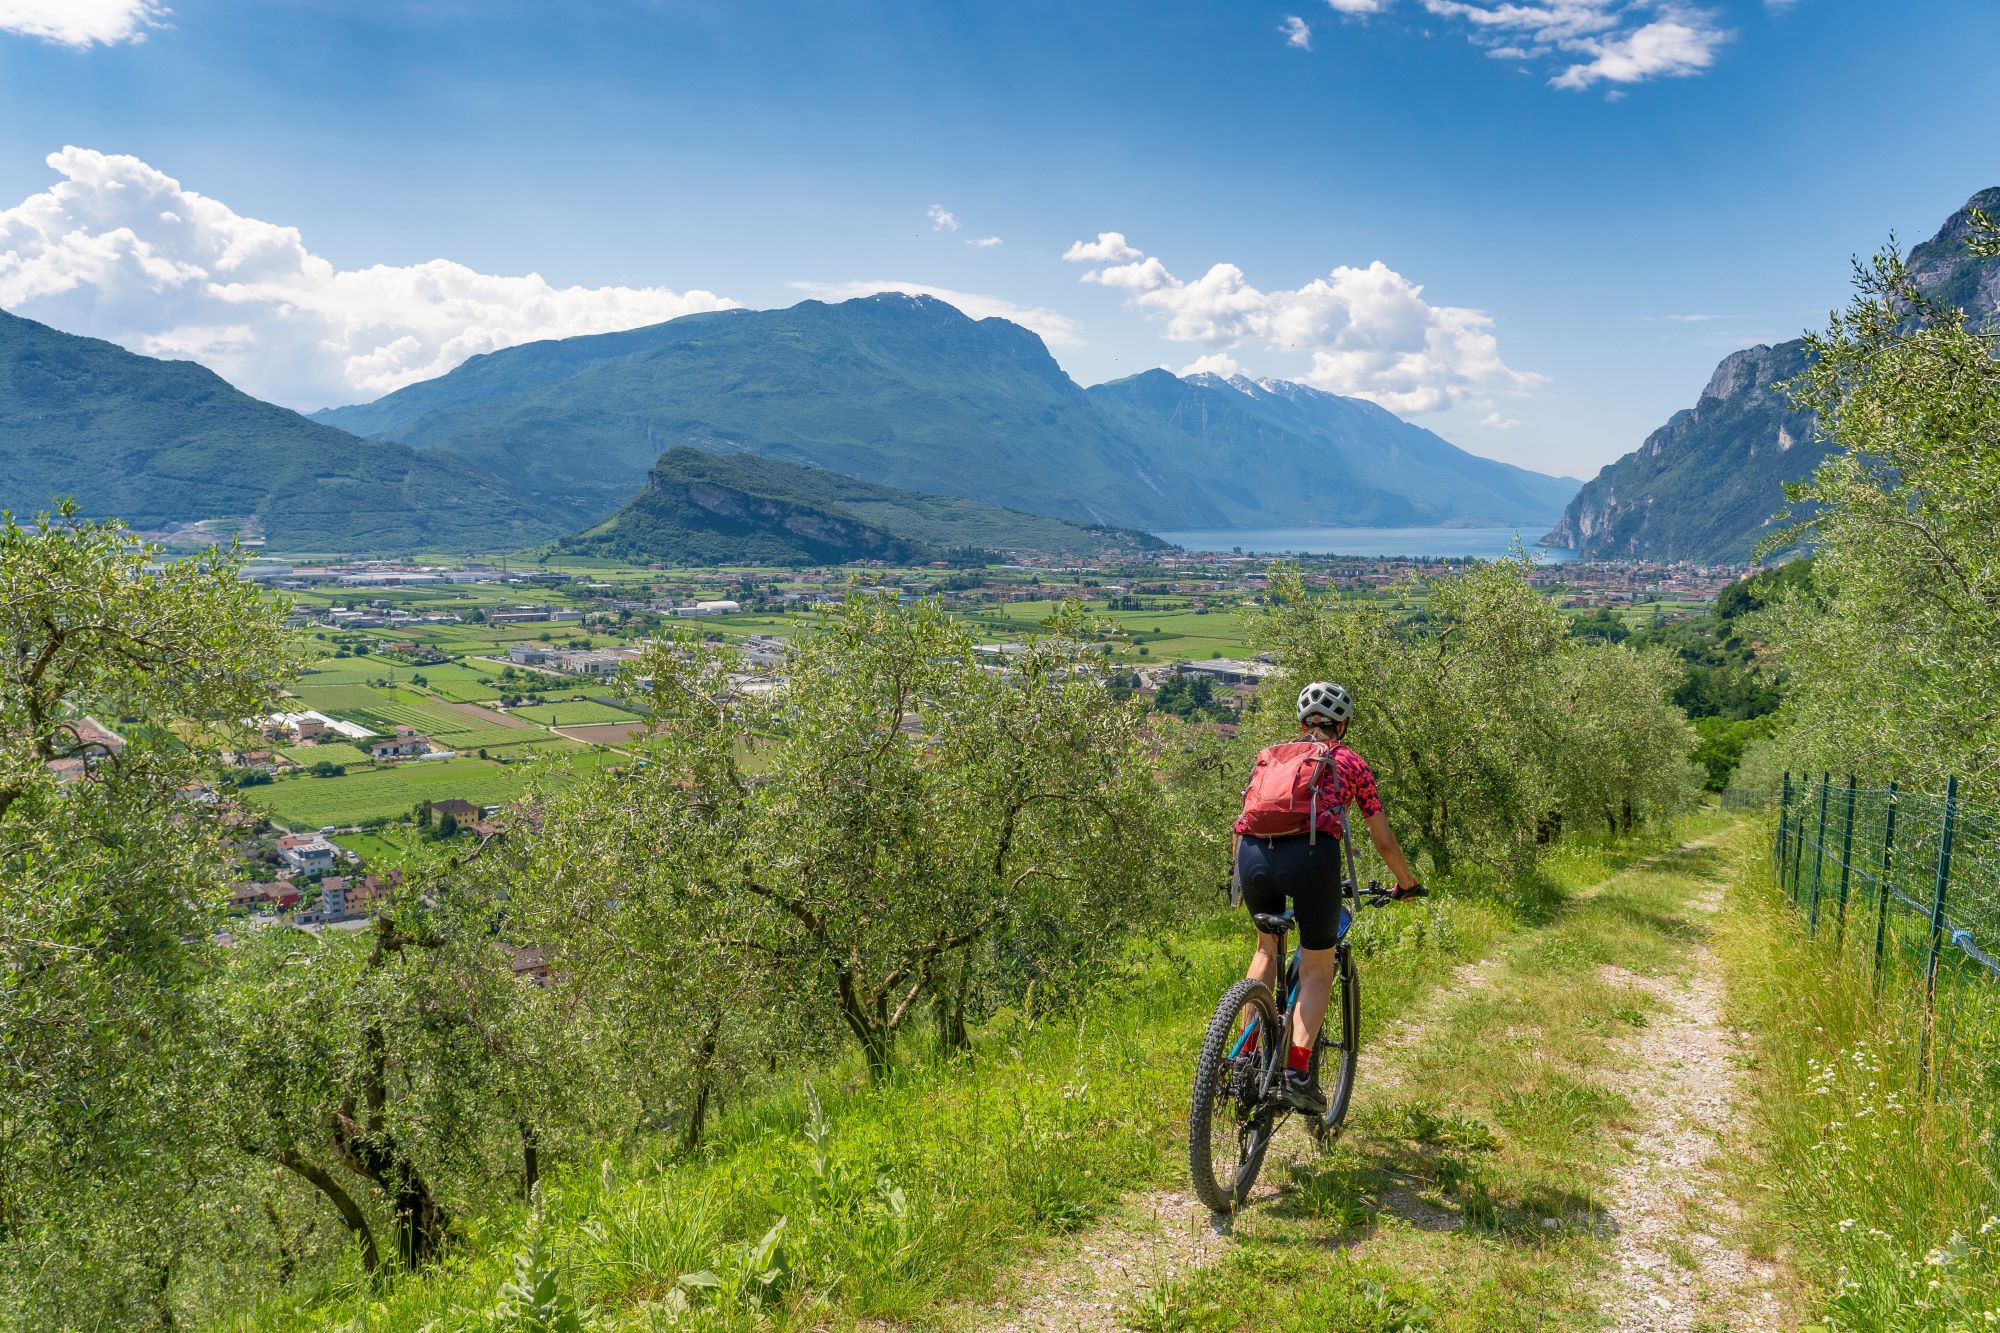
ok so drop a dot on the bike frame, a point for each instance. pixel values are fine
(1288, 955)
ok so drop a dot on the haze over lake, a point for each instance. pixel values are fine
(1481, 543)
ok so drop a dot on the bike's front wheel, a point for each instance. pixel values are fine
(1230, 1119)
(1339, 1044)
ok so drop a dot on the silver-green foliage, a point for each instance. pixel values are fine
(111, 875)
(925, 837)
(1894, 653)
(1488, 727)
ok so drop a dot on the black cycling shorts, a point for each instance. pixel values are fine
(1305, 870)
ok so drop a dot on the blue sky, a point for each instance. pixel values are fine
(1558, 179)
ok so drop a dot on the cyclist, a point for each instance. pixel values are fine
(1306, 866)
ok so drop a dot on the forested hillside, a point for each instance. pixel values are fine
(710, 509)
(1706, 485)
(169, 442)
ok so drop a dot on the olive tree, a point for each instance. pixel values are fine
(1893, 649)
(897, 830)
(120, 676)
(1455, 706)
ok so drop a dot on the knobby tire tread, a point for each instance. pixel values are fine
(1209, 1069)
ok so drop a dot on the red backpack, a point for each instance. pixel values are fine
(1283, 796)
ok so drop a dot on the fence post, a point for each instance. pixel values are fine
(1846, 852)
(1882, 884)
(1799, 859)
(1783, 842)
(1937, 930)
(1819, 851)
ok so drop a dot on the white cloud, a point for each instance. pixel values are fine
(1593, 41)
(1212, 363)
(82, 23)
(1368, 330)
(1682, 319)
(1297, 33)
(1055, 328)
(1494, 421)
(1358, 7)
(985, 242)
(122, 251)
(942, 218)
(1108, 248)
(1666, 49)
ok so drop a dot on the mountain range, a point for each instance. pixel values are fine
(1706, 485)
(908, 392)
(968, 430)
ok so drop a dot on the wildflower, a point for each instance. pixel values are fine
(1846, 1222)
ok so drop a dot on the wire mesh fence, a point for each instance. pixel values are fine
(1905, 885)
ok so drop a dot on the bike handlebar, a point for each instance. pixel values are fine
(1377, 894)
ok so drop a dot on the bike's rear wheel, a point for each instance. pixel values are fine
(1339, 1044)
(1230, 1121)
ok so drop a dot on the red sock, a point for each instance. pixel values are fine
(1300, 1059)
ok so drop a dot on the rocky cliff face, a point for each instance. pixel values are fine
(1706, 485)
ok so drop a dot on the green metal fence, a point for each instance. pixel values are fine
(1907, 886)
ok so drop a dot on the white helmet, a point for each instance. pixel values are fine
(1328, 703)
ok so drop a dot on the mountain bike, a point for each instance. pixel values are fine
(1238, 1101)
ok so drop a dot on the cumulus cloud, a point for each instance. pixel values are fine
(1108, 248)
(1368, 330)
(1055, 328)
(1362, 8)
(122, 251)
(984, 242)
(1495, 421)
(1211, 363)
(1297, 33)
(1587, 42)
(942, 218)
(82, 23)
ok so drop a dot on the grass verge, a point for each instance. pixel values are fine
(1886, 1199)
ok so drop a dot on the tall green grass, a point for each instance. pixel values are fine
(1885, 1195)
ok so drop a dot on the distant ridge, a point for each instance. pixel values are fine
(1706, 485)
(158, 443)
(705, 509)
(909, 392)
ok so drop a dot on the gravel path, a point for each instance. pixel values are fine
(1677, 1266)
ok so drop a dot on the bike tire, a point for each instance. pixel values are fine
(1343, 1022)
(1223, 1102)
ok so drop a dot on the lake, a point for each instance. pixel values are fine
(1481, 543)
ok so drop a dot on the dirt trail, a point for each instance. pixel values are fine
(1676, 1265)
(1157, 1236)
(1663, 1201)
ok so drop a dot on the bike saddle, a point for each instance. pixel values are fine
(1267, 924)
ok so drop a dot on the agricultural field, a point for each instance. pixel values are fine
(573, 713)
(1169, 634)
(326, 752)
(388, 792)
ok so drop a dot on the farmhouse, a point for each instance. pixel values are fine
(407, 743)
(465, 812)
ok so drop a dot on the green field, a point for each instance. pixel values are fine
(576, 713)
(386, 792)
(324, 753)
(1174, 633)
